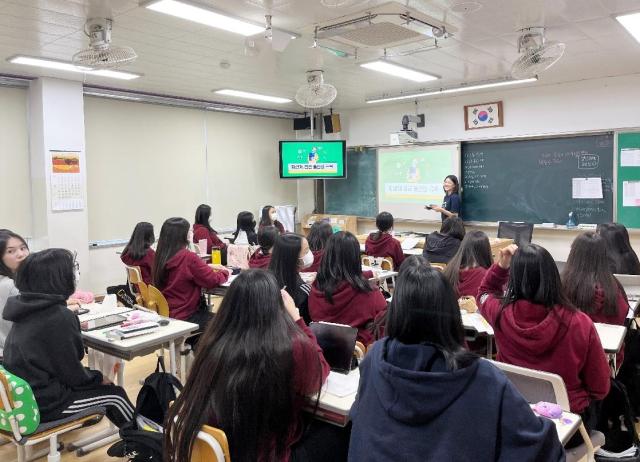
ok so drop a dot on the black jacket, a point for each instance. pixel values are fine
(440, 248)
(44, 347)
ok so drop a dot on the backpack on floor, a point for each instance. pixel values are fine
(617, 423)
(142, 437)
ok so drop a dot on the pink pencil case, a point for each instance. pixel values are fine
(550, 410)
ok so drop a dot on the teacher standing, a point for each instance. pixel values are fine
(451, 204)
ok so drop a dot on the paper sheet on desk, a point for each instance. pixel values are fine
(229, 281)
(476, 321)
(409, 243)
(342, 385)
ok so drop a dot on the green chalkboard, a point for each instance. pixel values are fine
(356, 194)
(628, 212)
(531, 180)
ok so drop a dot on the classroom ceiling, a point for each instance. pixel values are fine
(182, 58)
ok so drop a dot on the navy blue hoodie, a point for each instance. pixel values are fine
(411, 407)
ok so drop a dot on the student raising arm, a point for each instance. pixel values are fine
(538, 328)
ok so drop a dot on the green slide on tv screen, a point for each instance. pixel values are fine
(312, 159)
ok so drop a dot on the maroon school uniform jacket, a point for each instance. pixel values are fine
(187, 276)
(201, 232)
(277, 224)
(351, 307)
(469, 280)
(306, 381)
(562, 341)
(384, 246)
(145, 264)
(259, 260)
(317, 259)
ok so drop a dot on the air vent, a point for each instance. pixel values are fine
(381, 35)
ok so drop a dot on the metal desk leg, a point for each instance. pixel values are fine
(489, 347)
(172, 357)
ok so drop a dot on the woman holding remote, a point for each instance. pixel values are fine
(451, 204)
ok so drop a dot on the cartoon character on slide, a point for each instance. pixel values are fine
(313, 156)
(413, 173)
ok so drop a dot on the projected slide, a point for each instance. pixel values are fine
(410, 177)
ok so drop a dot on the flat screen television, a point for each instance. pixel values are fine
(313, 159)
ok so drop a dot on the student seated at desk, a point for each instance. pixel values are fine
(291, 255)
(319, 234)
(341, 292)
(257, 364)
(13, 251)
(45, 348)
(269, 217)
(181, 274)
(245, 233)
(138, 251)
(468, 266)
(202, 229)
(537, 327)
(591, 286)
(423, 397)
(622, 257)
(261, 258)
(440, 247)
(382, 243)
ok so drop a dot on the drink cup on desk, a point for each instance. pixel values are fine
(202, 246)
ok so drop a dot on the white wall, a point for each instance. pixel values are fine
(590, 105)
(15, 208)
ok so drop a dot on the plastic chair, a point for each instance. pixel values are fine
(157, 302)
(359, 351)
(210, 445)
(45, 431)
(384, 263)
(538, 386)
(519, 232)
(439, 266)
(134, 277)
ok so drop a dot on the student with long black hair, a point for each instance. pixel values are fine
(181, 274)
(319, 234)
(622, 258)
(382, 243)
(261, 258)
(269, 217)
(138, 251)
(202, 229)
(13, 251)
(245, 233)
(44, 346)
(440, 247)
(419, 386)
(291, 255)
(341, 292)
(257, 364)
(468, 266)
(537, 327)
(590, 285)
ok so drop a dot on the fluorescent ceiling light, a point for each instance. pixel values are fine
(247, 95)
(109, 95)
(461, 89)
(396, 70)
(205, 16)
(66, 66)
(631, 22)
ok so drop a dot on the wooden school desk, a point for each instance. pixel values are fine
(612, 338)
(566, 426)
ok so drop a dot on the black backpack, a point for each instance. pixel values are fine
(153, 400)
(617, 423)
(629, 373)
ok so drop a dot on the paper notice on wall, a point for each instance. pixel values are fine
(630, 157)
(631, 193)
(66, 181)
(586, 188)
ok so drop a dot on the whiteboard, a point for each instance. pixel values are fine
(409, 177)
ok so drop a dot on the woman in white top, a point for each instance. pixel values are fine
(245, 233)
(13, 249)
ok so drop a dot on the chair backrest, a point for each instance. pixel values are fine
(384, 263)
(439, 266)
(157, 302)
(536, 385)
(210, 445)
(519, 232)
